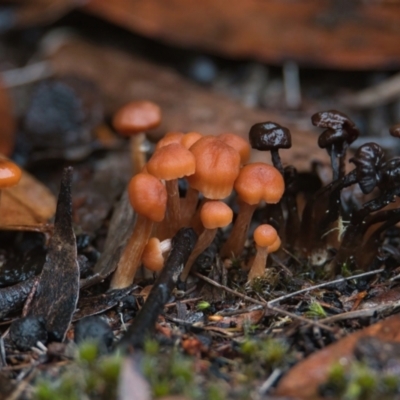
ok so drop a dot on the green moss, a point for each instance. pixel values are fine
(203, 305)
(315, 310)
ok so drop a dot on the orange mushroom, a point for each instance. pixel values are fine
(267, 241)
(214, 215)
(190, 138)
(148, 198)
(217, 167)
(10, 174)
(169, 163)
(153, 253)
(238, 143)
(169, 138)
(132, 120)
(256, 182)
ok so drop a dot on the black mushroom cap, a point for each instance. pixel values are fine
(340, 128)
(390, 175)
(369, 160)
(267, 136)
(395, 130)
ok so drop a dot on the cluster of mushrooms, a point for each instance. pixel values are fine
(340, 223)
(214, 167)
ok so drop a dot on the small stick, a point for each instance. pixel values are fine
(265, 305)
(309, 289)
(182, 245)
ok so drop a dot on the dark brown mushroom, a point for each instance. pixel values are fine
(395, 131)
(368, 159)
(269, 136)
(340, 133)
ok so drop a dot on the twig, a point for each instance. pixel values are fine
(264, 305)
(28, 74)
(309, 289)
(182, 245)
(376, 95)
(266, 386)
(368, 312)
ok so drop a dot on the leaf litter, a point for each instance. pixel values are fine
(218, 336)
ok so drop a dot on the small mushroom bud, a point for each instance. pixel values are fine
(153, 253)
(340, 133)
(269, 136)
(267, 241)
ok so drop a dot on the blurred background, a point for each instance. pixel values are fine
(213, 66)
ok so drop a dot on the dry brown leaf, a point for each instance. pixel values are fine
(331, 33)
(7, 126)
(186, 107)
(302, 385)
(28, 203)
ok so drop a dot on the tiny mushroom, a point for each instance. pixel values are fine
(153, 253)
(10, 174)
(340, 133)
(132, 120)
(214, 214)
(256, 182)
(148, 198)
(267, 241)
(269, 136)
(169, 163)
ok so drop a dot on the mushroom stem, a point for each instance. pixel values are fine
(189, 206)
(235, 243)
(205, 239)
(173, 206)
(276, 160)
(259, 263)
(138, 154)
(132, 254)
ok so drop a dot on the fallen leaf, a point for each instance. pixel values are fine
(28, 203)
(303, 385)
(334, 34)
(57, 293)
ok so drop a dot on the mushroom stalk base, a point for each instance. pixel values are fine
(205, 239)
(235, 244)
(259, 264)
(132, 254)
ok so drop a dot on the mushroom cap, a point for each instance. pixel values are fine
(390, 174)
(136, 117)
(148, 196)
(346, 130)
(171, 162)
(152, 257)
(215, 214)
(190, 138)
(241, 145)
(260, 181)
(265, 235)
(217, 167)
(368, 159)
(267, 136)
(275, 246)
(395, 130)
(170, 137)
(10, 174)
